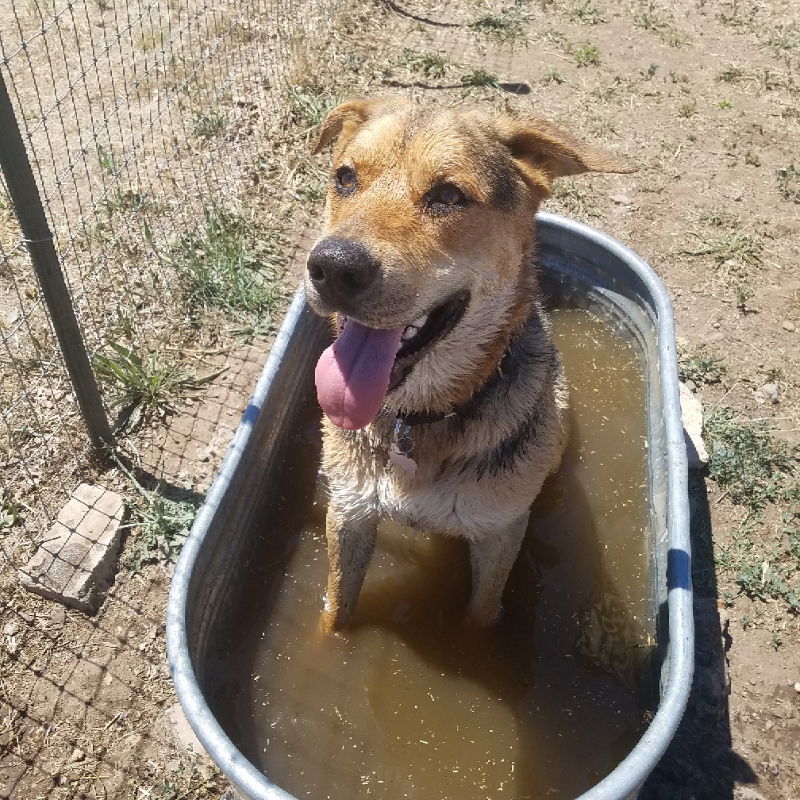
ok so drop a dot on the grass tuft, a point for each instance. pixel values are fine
(144, 387)
(587, 13)
(480, 77)
(586, 55)
(229, 264)
(431, 65)
(745, 460)
(698, 367)
(160, 524)
(206, 126)
(766, 568)
(734, 248)
(789, 183)
(308, 106)
(501, 27)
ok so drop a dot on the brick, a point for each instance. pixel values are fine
(75, 564)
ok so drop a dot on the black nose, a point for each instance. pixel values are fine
(339, 269)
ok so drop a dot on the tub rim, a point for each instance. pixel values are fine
(629, 775)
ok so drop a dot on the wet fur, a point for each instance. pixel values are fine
(479, 470)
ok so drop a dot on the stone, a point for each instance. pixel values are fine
(772, 392)
(788, 325)
(75, 564)
(621, 199)
(174, 724)
(692, 413)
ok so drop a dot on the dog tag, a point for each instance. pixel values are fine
(401, 448)
(402, 460)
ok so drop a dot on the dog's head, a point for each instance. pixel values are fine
(425, 254)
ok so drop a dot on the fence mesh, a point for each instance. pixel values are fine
(169, 145)
(169, 141)
(128, 112)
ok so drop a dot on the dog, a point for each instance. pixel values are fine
(443, 393)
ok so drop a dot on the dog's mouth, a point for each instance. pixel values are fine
(356, 372)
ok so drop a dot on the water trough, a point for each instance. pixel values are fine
(584, 268)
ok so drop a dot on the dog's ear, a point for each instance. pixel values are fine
(344, 120)
(545, 151)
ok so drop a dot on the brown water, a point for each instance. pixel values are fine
(408, 704)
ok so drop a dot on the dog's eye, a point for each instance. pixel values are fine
(445, 196)
(345, 180)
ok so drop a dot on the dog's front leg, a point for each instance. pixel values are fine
(350, 546)
(492, 555)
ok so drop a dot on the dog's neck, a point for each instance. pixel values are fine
(465, 409)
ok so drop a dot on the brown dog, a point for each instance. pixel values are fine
(443, 392)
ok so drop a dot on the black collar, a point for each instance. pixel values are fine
(468, 408)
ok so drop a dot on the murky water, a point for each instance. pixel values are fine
(408, 704)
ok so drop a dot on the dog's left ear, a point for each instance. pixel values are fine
(545, 151)
(344, 120)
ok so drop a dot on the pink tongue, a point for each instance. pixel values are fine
(352, 375)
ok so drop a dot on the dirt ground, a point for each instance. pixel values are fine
(703, 97)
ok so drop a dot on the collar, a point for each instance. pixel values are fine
(468, 408)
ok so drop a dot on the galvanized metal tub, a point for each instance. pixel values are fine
(592, 270)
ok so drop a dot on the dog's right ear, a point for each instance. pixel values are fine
(344, 120)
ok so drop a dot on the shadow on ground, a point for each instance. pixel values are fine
(700, 763)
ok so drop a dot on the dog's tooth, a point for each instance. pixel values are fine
(409, 333)
(420, 321)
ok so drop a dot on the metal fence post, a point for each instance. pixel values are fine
(38, 238)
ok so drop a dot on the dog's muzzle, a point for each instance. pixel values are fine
(340, 270)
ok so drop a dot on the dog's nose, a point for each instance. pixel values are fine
(341, 268)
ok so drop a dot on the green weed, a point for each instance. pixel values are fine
(206, 126)
(587, 13)
(766, 568)
(229, 264)
(789, 183)
(725, 104)
(688, 110)
(106, 159)
(308, 106)
(745, 460)
(431, 65)
(731, 74)
(586, 55)
(479, 77)
(649, 19)
(739, 250)
(553, 76)
(143, 386)
(501, 27)
(160, 524)
(699, 367)
(10, 510)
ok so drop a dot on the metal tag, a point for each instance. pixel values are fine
(401, 448)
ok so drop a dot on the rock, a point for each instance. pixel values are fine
(621, 199)
(75, 565)
(772, 392)
(10, 628)
(788, 325)
(692, 413)
(174, 723)
(797, 686)
(746, 793)
(58, 616)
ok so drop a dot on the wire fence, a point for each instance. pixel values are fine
(137, 118)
